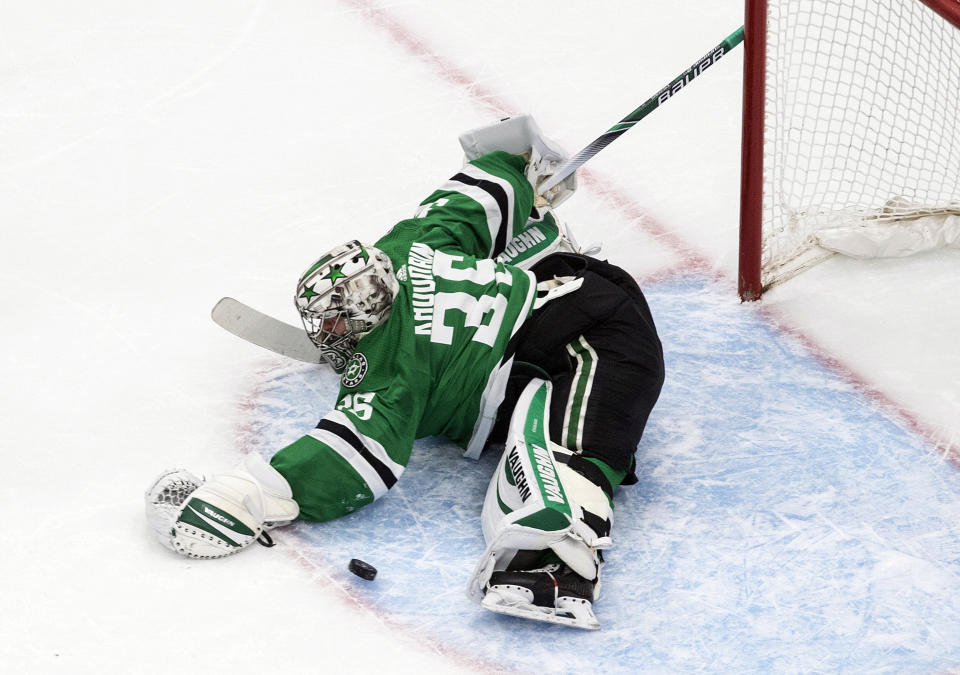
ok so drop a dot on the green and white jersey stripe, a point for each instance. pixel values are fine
(480, 209)
(364, 454)
(495, 195)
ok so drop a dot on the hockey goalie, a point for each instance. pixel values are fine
(478, 319)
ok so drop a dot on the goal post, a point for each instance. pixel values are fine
(851, 115)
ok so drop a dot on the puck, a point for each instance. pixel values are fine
(362, 569)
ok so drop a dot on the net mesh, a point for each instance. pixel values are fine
(862, 121)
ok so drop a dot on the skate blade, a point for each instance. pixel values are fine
(586, 620)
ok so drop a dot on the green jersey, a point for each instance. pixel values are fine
(439, 364)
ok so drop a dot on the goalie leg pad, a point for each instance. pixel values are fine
(530, 503)
(594, 525)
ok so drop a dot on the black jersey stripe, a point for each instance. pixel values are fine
(343, 432)
(499, 195)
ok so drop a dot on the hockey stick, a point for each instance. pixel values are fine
(264, 331)
(651, 104)
(282, 338)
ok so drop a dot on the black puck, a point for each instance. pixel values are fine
(362, 569)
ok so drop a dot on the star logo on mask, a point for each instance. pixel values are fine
(308, 292)
(364, 254)
(334, 274)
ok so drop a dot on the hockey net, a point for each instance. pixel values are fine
(851, 119)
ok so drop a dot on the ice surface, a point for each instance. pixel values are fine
(798, 507)
(756, 538)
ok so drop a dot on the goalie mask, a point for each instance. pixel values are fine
(343, 296)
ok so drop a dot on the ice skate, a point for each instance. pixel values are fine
(554, 594)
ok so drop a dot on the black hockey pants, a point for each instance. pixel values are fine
(599, 346)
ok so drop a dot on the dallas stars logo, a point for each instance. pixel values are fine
(355, 370)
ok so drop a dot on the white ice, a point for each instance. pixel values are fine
(157, 156)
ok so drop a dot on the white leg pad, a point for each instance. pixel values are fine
(528, 505)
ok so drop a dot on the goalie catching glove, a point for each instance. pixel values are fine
(223, 515)
(544, 525)
(520, 135)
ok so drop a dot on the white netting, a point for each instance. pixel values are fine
(862, 121)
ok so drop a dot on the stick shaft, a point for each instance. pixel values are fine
(651, 104)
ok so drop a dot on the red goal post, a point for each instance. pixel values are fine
(851, 110)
